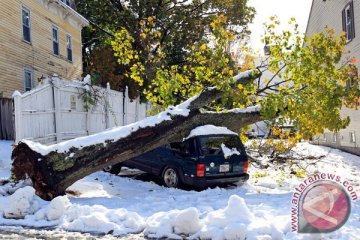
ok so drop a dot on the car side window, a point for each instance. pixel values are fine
(181, 148)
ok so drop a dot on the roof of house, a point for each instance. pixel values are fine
(69, 11)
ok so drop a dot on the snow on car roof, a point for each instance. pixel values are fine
(209, 130)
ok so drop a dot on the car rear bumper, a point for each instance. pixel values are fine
(210, 181)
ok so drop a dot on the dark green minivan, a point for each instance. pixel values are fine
(209, 156)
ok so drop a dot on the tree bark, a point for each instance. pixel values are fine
(53, 173)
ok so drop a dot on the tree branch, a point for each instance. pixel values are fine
(277, 73)
(212, 94)
(233, 119)
(271, 87)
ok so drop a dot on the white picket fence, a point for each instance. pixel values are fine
(55, 111)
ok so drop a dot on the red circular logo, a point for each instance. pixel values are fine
(326, 206)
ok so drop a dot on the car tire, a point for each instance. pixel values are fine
(113, 169)
(170, 177)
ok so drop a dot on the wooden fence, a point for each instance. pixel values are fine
(56, 111)
(6, 119)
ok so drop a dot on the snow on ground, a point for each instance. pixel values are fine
(260, 209)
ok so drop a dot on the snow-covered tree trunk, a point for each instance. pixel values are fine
(54, 168)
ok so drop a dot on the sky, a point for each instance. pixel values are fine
(283, 9)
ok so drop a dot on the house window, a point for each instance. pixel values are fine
(26, 24)
(69, 48)
(28, 79)
(352, 137)
(334, 138)
(348, 21)
(55, 40)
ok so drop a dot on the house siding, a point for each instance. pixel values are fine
(16, 54)
(329, 14)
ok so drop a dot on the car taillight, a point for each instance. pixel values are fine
(200, 170)
(246, 166)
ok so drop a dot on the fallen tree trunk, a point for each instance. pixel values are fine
(53, 169)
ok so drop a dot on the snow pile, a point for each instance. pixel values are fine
(57, 207)
(24, 204)
(100, 219)
(228, 223)
(229, 152)
(173, 223)
(55, 210)
(21, 203)
(236, 221)
(187, 222)
(209, 130)
(9, 187)
(85, 218)
(89, 189)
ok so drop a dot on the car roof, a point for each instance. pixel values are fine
(207, 130)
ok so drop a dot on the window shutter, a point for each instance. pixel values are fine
(352, 19)
(343, 20)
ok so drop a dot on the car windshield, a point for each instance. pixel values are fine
(211, 145)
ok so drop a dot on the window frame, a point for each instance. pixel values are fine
(25, 9)
(31, 72)
(67, 2)
(348, 26)
(334, 138)
(68, 36)
(184, 149)
(352, 137)
(54, 27)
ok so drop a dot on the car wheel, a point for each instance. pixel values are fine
(114, 169)
(170, 177)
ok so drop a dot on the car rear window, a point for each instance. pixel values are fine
(211, 145)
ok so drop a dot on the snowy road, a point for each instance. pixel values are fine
(133, 203)
(16, 233)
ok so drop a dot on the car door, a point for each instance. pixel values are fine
(187, 157)
(143, 162)
(160, 158)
